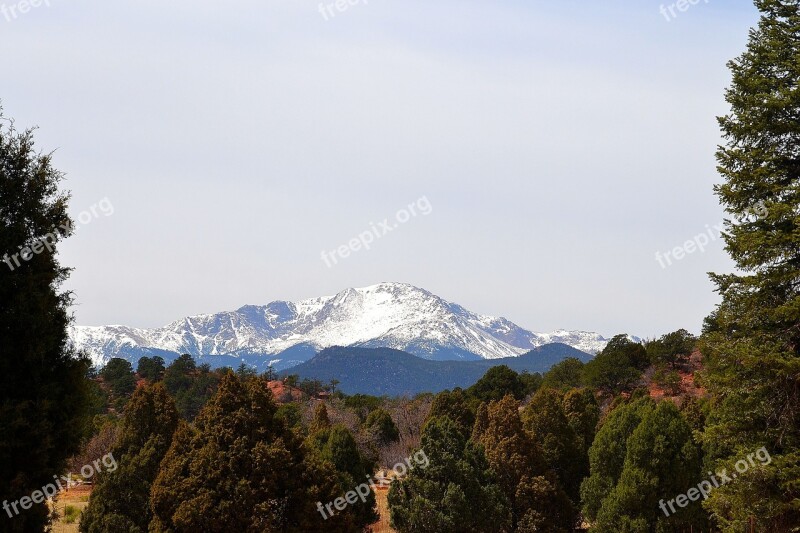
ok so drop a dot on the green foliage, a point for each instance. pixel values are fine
(312, 387)
(270, 374)
(291, 414)
(245, 371)
(583, 415)
(672, 348)
(120, 501)
(118, 374)
(96, 409)
(608, 451)
(380, 424)
(618, 367)
(336, 445)
(497, 383)
(321, 421)
(456, 492)
(562, 449)
(151, 368)
(240, 468)
(362, 404)
(751, 344)
(530, 381)
(662, 461)
(42, 381)
(71, 514)
(191, 385)
(565, 375)
(456, 406)
(538, 503)
(178, 375)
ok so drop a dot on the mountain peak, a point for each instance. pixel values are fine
(388, 314)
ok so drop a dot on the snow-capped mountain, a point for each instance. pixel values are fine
(392, 315)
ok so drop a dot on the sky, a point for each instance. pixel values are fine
(550, 151)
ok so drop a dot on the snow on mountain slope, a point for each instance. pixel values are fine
(393, 315)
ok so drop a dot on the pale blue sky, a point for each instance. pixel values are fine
(560, 144)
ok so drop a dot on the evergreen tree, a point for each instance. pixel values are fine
(120, 501)
(583, 414)
(118, 374)
(538, 503)
(456, 492)
(241, 469)
(380, 424)
(752, 341)
(245, 371)
(497, 382)
(662, 461)
(545, 420)
(618, 367)
(178, 375)
(608, 451)
(672, 348)
(321, 421)
(151, 368)
(564, 375)
(42, 387)
(336, 445)
(456, 406)
(191, 385)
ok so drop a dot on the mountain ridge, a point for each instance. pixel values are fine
(390, 315)
(385, 371)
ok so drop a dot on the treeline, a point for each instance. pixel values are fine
(583, 443)
(197, 448)
(239, 465)
(513, 452)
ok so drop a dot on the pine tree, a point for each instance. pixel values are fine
(583, 414)
(241, 469)
(538, 502)
(608, 451)
(456, 406)
(662, 461)
(336, 445)
(751, 342)
(321, 421)
(42, 388)
(496, 383)
(120, 501)
(545, 420)
(151, 368)
(380, 424)
(456, 492)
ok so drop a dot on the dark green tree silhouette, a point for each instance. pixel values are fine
(42, 387)
(336, 445)
(151, 368)
(583, 414)
(618, 367)
(456, 406)
(672, 348)
(118, 374)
